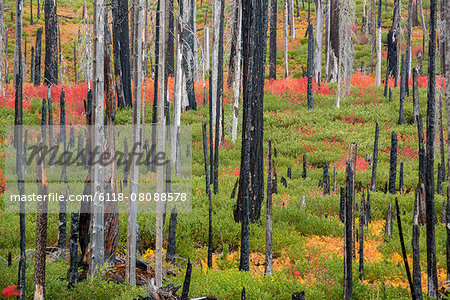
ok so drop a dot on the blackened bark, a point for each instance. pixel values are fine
(170, 54)
(403, 75)
(188, 51)
(310, 66)
(400, 182)
(75, 62)
(429, 171)
(304, 166)
(361, 237)
(422, 157)
(439, 180)
(416, 109)
(121, 23)
(72, 273)
(187, 281)
(441, 143)
(244, 182)
(208, 192)
(417, 280)
(268, 257)
(368, 210)
(273, 40)
(41, 231)
(31, 65)
(37, 58)
(402, 242)
(375, 159)
(171, 241)
(326, 179)
(155, 87)
(51, 43)
(62, 224)
(348, 233)
(393, 163)
(342, 205)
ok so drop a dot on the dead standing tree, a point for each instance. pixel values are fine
(429, 170)
(273, 40)
(97, 239)
(18, 143)
(318, 40)
(447, 76)
(51, 43)
(136, 145)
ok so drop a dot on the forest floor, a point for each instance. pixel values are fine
(308, 241)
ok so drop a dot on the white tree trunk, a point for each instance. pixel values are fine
(378, 71)
(206, 47)
(237, 76)
(292, 19)
(130, 271)
(318, 40)
(196, 71)
(215, 58)
(327, 41)
(177, 96)
(160, 149)
(97, 238)
(286, 65)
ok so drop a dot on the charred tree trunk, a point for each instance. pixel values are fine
(310, 65)
(268, 258)
(361, 237)
(51, 43)
(403, 75)
(417, 280)
(429, 171)
(416, 109)
(72, 273)
(122, 48)
(348, 233)
(402, 242)
(388, 228)
(393, 163)
(41, 231)
(273, 40)
(37, 58)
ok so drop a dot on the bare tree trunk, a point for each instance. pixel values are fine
(443, 36)
(378, 71)
(429, 172)
(268, 258)
(417, 276)
(334, 42)
(130, 273)
(409, 42)
(51, 43)
(37, 58)
(177, 94)
(318, 41)
(160, 149)
(18, 35)
(292, 19)
(41, 230)
(97, 236)
(273, 40)
(375, 160)
(6, 61)
(286, 62)
(447, 76)
(424, 27)
(237, 74)
(348, 233)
